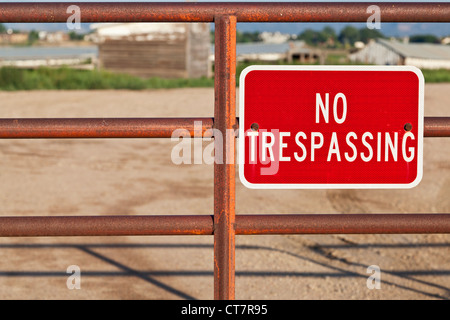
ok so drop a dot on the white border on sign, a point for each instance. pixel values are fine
(249, 69)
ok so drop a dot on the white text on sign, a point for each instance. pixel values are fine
(368, 146)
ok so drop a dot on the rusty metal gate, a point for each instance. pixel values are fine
(224, 224)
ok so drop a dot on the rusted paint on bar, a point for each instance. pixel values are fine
(105, 226)
(244, 12)
(343, 224)
(437, 127)
(105, 128)
(245, 225)
(224, 168)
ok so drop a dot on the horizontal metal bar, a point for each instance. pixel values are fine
(244, 12)
(204, 225)
(105, 226)
(437, 127)
(343, 224)
(29, 128)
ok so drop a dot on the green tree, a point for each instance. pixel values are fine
(310, 36)
(246, 37)
(424, 38)
(3, 29)
(75, 36)
(366, 34)
(33, 36)
(327, 35)
(349, 35)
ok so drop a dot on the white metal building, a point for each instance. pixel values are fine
(391, 52)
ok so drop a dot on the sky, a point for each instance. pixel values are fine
(389, 29)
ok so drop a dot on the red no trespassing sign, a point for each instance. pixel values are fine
(331, 127)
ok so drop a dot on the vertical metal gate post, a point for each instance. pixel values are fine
(224, 171)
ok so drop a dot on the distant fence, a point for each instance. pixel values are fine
(224, 225)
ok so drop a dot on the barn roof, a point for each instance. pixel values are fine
(418, 50)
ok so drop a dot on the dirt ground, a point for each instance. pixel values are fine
(132, 177)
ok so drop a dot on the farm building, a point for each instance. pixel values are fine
(13, 38)
(271, 52)
(168, 50)
(391, 52)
